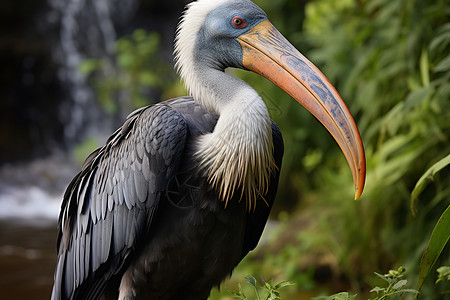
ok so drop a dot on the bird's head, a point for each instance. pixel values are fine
(237, 33)
(208, 35)
(216, 41)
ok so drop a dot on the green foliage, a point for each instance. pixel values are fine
(393, 288)
(395, 285)
(390, 62)
(383, 57)
(134, 76)
(267, 291)
(441, 232)
(426, 178)
(338, 296)
(444, 274)
(438, 240)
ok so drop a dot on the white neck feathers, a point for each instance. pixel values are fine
(191, 23)
(238, 155)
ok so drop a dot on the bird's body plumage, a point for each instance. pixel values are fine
(182, 191)
(140, 214)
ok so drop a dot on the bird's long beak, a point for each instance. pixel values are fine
(268, 53)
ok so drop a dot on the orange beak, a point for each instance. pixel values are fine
(268, 53)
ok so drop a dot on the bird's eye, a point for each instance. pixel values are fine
(238, 22)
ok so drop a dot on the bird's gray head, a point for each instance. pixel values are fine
(208, 31)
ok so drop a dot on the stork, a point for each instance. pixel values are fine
(182, 191)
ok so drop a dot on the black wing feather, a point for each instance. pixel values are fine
(108, 207)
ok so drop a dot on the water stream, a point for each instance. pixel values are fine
(30, 199)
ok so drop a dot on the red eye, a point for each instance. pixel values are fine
(239, 22)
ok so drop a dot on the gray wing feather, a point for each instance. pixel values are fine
(108, 207)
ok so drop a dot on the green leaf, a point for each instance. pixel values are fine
(377, 290)
(240, 294)
(416, 98)
(443, 65)
(424, 68)
(444, 273)
(250, 279)
(442, 39)
(400, 284)
(438, 240)
(343, 296)
(383, 277)
(425, 179)
(283, 284)
(412, 291)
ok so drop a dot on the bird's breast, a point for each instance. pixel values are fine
(194, 244)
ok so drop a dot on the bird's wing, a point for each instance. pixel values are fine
(108, 207)
(256, 220)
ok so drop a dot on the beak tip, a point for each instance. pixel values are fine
(359, 187)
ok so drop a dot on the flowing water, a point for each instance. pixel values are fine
(27, 260)
(30, 198)
(86, 30)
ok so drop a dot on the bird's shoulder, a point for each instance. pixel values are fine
(199, 120)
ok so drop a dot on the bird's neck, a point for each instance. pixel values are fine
(237, 157)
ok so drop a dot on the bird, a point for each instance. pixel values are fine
(181, 192)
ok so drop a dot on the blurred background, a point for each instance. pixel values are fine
(71, 70)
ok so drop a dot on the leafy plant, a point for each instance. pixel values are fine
(338, 296)
(384, 60)
(267, 291)
(444, 274)
(395, 285)
(389, 60)
(427, 177)
(438, 240)
(441, 233)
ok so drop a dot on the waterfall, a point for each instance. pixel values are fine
(73, 30)
(86, 30)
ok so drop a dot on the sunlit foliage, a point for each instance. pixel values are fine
(390, 60)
